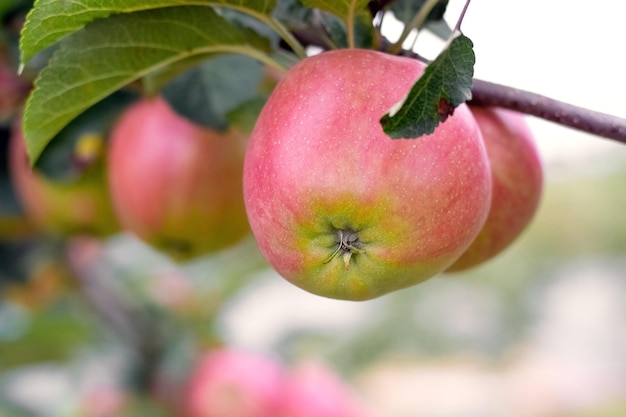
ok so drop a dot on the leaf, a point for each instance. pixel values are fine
(206, 93)
(342, 8)
(51, 20)
(61, 162)
(110, 53)
(445, 84)
(336, 29)
(294, 14)
(405, 10)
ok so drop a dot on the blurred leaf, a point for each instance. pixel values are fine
(336, 29)
(9, 7)
(294, 14)
(54, 335)
(9, 203)
(61, 160)
(445, 84)
(405, 10)
(10, 410)
(207, 92)
(52, 20)
(110, 53)
(345, 9)
(244, 117)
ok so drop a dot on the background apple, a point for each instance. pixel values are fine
(175, 184)
(65, 207)
(517, 183)
(340, 209)
(313, 389)
(228, 382)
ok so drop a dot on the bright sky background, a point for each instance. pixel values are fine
(567, 50)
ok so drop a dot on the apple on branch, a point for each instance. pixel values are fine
(340, 209)
(517, 183)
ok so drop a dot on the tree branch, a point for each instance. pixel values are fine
(486, 93)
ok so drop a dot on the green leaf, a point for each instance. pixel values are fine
(342, 8)
(405, 10)
(445, 84)
(60, 161)
(51, 20)
(206, 93)
(294, 14)
(110, 53)
(337, 31)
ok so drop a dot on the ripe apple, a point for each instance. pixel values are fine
(174, 184)
(312, 390)
(80, 205)
(517, 183)
(340, 209)
(234, 383)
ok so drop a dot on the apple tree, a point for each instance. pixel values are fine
(223, 137)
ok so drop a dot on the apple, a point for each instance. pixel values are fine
(340, 209)
(79, 205)
(175, 184)
(313, 389)
(229, 382)
(517, 183)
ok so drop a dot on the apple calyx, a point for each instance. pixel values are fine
(348, 244)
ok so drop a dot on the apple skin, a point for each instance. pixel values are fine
(340, 209)
(80, 206)
(229, 382)
(517, 183)
(175, 184)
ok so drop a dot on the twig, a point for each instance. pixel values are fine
(486, 93)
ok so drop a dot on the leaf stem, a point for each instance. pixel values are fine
(486, 93)
(350, 25)
(277, 26)
(284, 33)
(417, 22)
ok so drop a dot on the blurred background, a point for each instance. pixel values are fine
(540, 331)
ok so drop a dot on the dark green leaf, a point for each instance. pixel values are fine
(244, 117)
(52, 20)
(293, 14)
(446, 83)
(110, 53)
(59, 161)
(405, 10)
(344, 9)
(206, 93)
(336, 29)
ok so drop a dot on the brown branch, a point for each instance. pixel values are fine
(486, 93)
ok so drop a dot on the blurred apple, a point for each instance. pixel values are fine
(175, 184)
(313, 389)
(65, 207)
(234, 383)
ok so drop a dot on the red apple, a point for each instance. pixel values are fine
(517, 183)
(314, 390)
(340, 209)
(81, 205)
(175, 184)
(234, 383)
